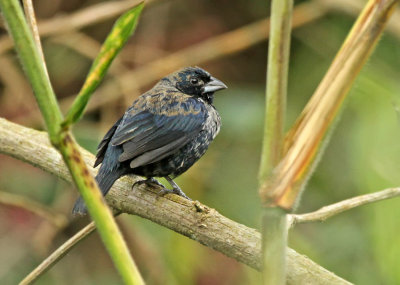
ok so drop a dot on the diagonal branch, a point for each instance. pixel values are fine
(58, 254)
(342, 206)
(191, 219)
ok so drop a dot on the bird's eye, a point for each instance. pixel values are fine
(194, 80)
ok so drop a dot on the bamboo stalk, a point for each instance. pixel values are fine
(274, 231)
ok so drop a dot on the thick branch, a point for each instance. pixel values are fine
(192, 219)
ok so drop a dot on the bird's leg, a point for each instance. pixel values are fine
(152, 182)
(175, 188)
(149, 181)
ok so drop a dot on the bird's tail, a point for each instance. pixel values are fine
(105, 179)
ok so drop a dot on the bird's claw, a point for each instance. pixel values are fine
(179, 192)
(175, 188)
(164, 191)
(153, 182)
(149, 181)
(175, 191)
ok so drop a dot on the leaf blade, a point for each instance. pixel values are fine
(122, 30)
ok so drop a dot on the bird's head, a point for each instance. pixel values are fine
(195, 81)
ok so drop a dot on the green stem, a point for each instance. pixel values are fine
(277, 74)
(63, 140)
(99, 211)
(274, 242)
(274, 232)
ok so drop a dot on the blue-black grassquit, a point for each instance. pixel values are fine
(163, 133)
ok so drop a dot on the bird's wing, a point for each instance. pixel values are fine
(101, 149)
(166, 124)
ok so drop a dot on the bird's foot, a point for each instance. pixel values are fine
(175, 189)
(149, 181)
(153, 182)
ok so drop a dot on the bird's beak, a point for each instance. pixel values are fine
(213, 85)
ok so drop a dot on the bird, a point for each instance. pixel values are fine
(162, 134)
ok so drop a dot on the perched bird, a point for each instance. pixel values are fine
(164, 132)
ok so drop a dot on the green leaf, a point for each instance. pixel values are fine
(123, 28)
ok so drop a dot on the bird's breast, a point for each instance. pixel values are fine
(213, 122)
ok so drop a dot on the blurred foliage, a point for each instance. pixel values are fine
(362, 157)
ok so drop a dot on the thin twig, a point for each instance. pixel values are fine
(332, 210)
(58, 254)
(48, 214)
(30, 15)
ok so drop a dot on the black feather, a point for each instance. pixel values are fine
(101, 149)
